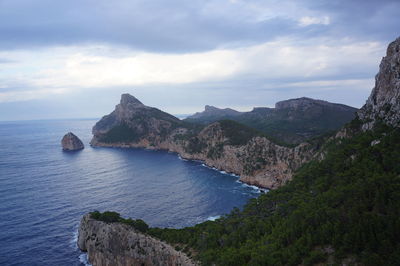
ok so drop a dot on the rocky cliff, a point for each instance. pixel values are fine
(383, 105)
(225, 145)
(119, 244)
(70, 142)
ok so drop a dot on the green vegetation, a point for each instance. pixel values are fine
(346, 207)
(237, 133)
(216, 151)
(120, 133)
(140, 125)
(114, 217)
(195, 145)
(289, 126)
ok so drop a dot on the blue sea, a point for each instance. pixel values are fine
(44, 191)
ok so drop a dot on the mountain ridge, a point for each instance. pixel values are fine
(292, 121)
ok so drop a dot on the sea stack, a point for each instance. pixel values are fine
(70, 142)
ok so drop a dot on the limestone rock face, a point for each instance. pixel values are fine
(384, 102)
(119, 244)
(70, 142)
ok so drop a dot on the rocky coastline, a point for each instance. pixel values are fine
(259, 162)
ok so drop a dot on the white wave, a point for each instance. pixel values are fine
(182, 159)
(83, 258)
(255, 188)
(213, 218)
(74, 239)
(212, 168)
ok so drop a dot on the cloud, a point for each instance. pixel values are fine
(280, 63)
(26, 95)
(307, 21)
(228, 52)
(179, 26)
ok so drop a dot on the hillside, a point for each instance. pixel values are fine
(291, 121)
(344, 209)
(337, 210)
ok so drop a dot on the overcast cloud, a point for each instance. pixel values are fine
(74, 58)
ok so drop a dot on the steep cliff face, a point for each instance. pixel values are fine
(225, 145)
(384, 102)
(119, 244)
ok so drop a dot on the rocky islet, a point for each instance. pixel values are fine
(70, 142)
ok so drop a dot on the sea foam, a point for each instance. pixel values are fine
(83, 258)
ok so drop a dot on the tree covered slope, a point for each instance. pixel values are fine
(343, 208)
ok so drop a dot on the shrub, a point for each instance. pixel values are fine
(114, 217)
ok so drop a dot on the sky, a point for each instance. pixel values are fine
(73, 59)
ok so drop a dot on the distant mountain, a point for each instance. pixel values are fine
(291, 121)
(212, 114)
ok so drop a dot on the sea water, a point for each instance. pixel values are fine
(44, 191)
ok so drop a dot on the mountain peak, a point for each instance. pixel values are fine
(127, 99)
(210, 108)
